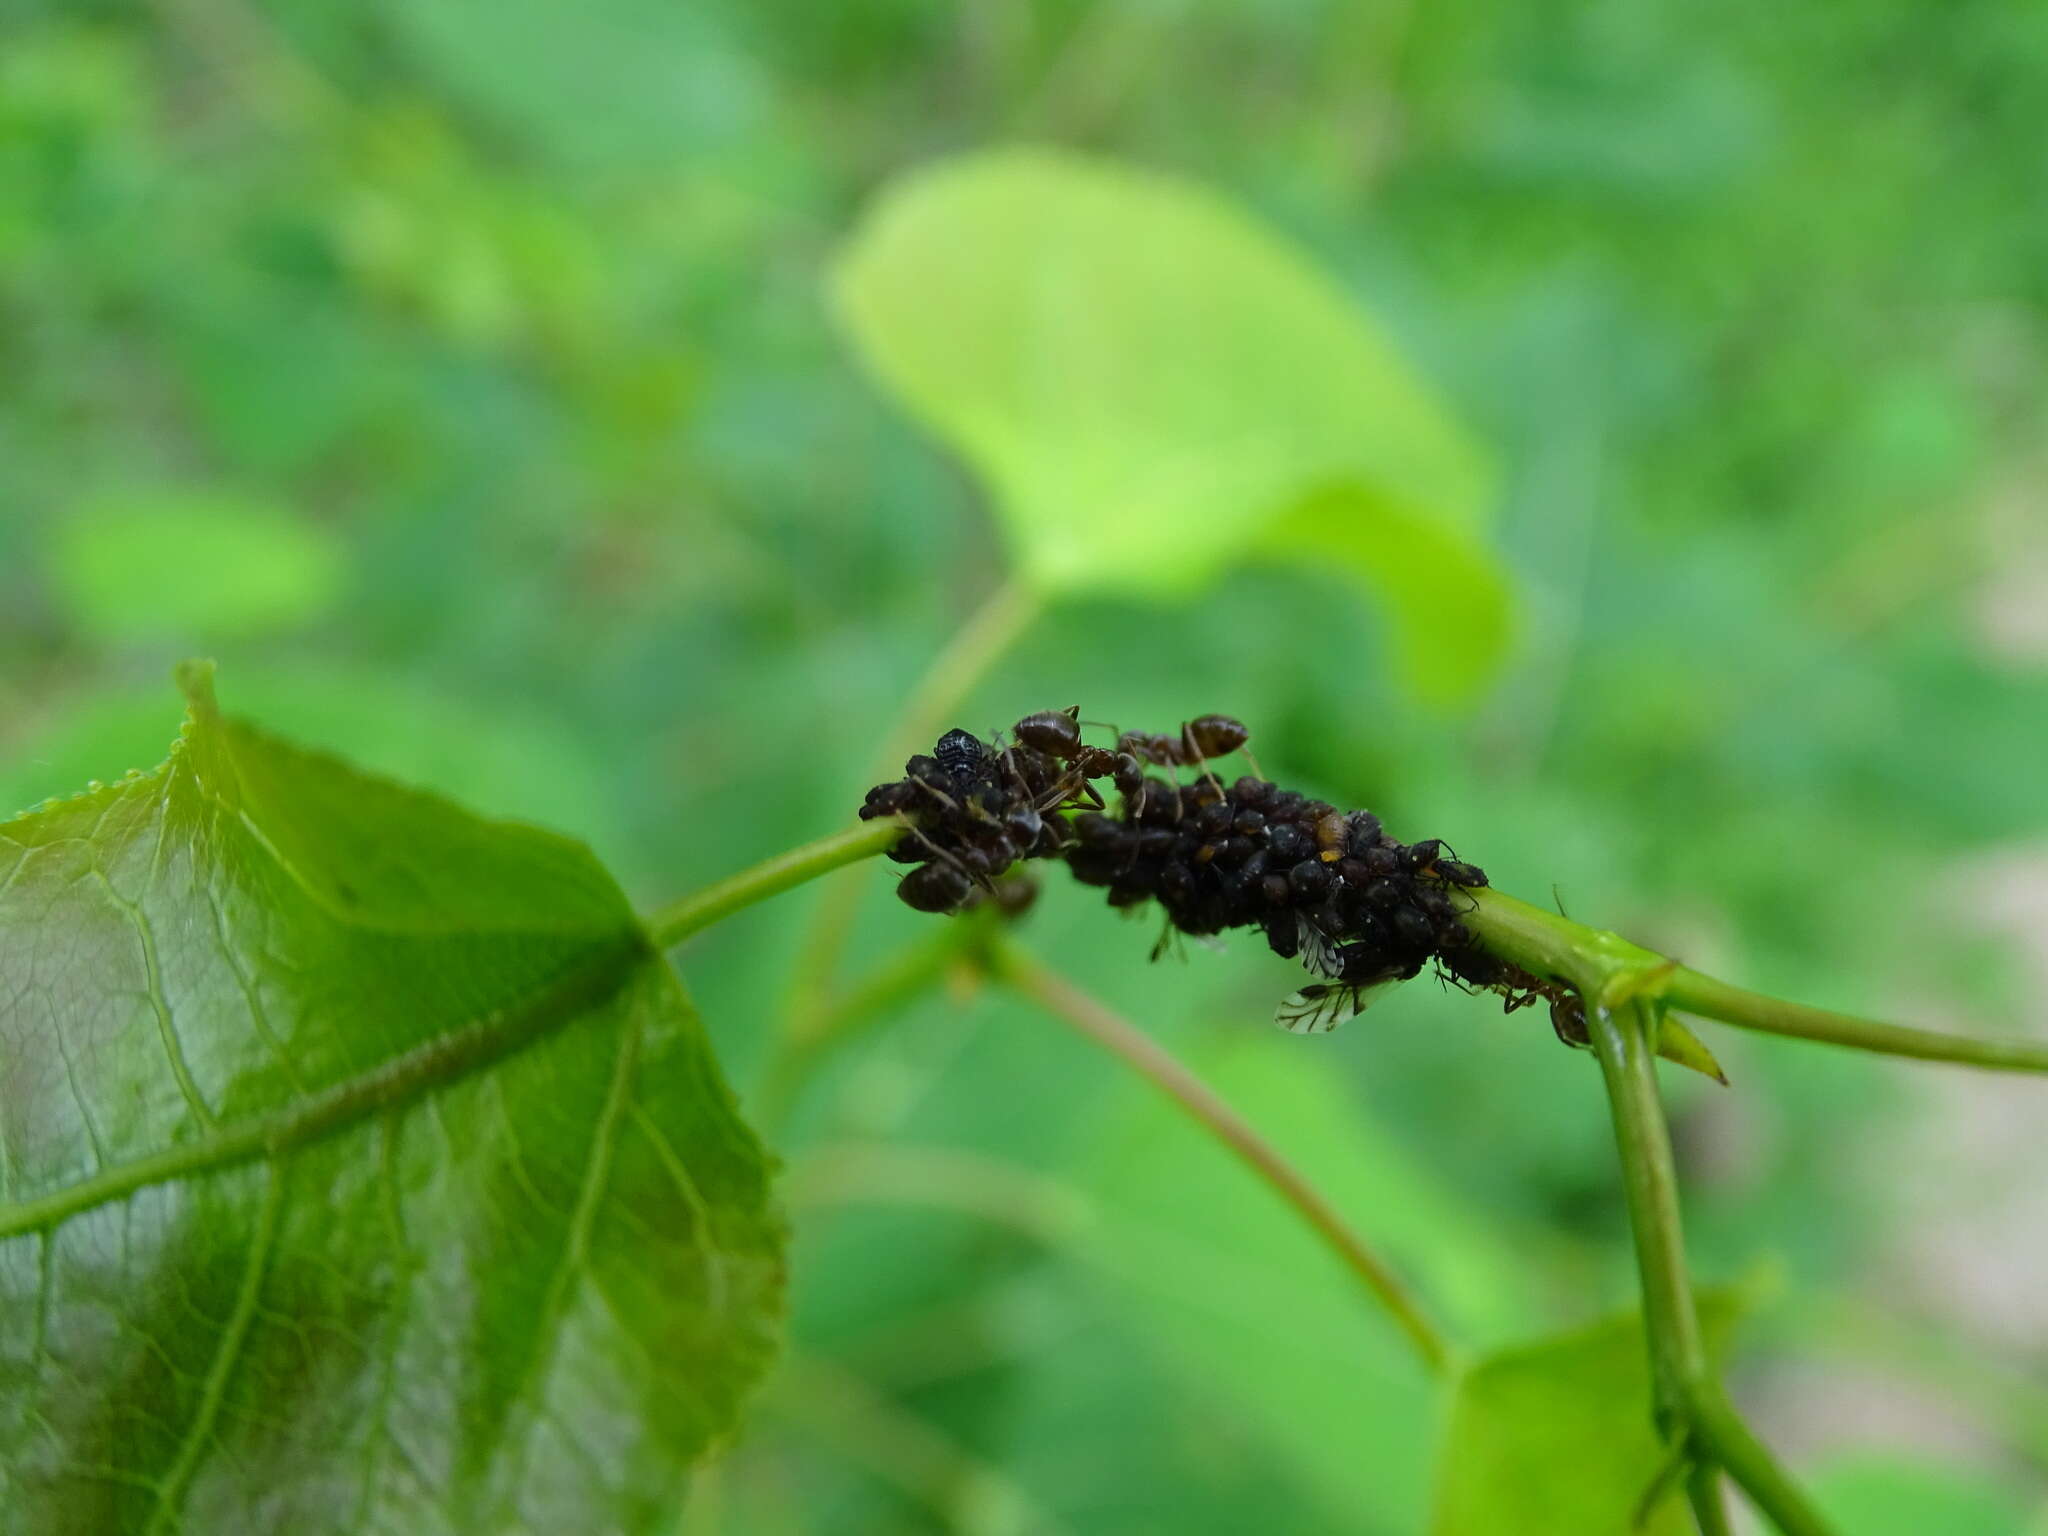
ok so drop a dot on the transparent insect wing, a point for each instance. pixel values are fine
(1319, 1008)
(1318, 949)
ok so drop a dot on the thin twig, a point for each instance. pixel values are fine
(1678, 1355)
(1690, 1400)
(1138, 1050)
(1550, 945)
(1703, 1491)
(1712, 999)
(1752, 1465)
(700, 909)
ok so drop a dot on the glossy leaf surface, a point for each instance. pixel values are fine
(364, 1168)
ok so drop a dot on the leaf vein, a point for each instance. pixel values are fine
(160, 1002)
(432, 1064)
(225, 1358)
(576, 1247)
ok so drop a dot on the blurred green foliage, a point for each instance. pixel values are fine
(518, 319)
(1524, 1416)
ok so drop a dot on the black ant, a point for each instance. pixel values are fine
(1201, 739)
(1057, 733)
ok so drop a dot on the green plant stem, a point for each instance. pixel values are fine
(1703, 995)
(1689, 1398)
(989, 631)
(1550, 945)
(1140, 1051)
(1703, 1492)
(1754, 1468)
(1678, 1356)
(700, 909)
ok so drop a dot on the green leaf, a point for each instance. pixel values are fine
(503, 758)
(1252, 1313)
(364, 1168)
(1156, 387)
(188, 564)
(1553, 1438)
(1679, 1044)
(1447, 594)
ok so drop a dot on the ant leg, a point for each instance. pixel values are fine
(940, 853)
(943, 798)
(1070, 787)
(1200, 763)
(1016, 778)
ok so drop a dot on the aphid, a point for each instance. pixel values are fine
(1434, 902)
(1423, 854)
(934, 887)
(1413, 928)
(1365, 832)
(1014, 894)
(1098, 831)
(1317, 949)
(1382, 860)
(924, 773)
(1309, 879)
(1024, 825)
(1333, 832)
(891, 799)
(1328, 887)
(1286, 841)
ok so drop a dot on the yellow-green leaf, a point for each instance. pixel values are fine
(1155, 387)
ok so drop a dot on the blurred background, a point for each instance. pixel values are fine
(464, 377)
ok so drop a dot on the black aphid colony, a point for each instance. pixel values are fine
(1330, 888)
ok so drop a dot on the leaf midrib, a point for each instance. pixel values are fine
(396, 1081)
